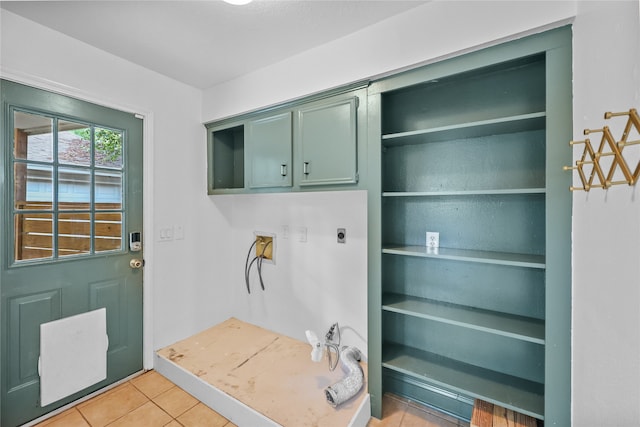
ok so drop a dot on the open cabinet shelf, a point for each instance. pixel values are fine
(464, 192)
(500, 125)
(488, 257)
(517, 327)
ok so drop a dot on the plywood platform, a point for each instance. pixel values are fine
(256, 377)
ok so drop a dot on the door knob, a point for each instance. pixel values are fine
(136, 263)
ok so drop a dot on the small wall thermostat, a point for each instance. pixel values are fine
(135, 241)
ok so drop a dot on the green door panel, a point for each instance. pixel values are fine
(268, 149)
(328, 143)
(82, 263)
(26, 313)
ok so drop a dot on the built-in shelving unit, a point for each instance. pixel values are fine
(468, 150)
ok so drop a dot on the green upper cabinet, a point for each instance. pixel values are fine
(327, 135)
(268, 151)
(315, 143)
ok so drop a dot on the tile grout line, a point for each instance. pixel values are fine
(82, 415)
(133, 409)
(181, 413)
(170, 416)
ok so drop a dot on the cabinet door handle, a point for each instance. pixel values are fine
(283, 169)
(305, 168)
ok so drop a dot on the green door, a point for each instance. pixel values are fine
(71, 186)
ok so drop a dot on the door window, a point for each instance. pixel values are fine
(68, 187)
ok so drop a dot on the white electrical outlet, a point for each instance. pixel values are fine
(433, 239)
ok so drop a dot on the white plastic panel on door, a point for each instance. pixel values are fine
(73, 354)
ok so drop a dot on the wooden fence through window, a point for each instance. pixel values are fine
(34, 230)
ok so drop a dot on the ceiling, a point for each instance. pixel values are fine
(204, 43)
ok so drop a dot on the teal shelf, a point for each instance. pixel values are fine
(497, 126)
(507, 391)
(518, 327)
(488, 257)
(496, 192)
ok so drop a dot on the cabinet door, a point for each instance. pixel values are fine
(269, 151)
(328, 143)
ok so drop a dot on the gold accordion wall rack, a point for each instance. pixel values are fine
(592, 162)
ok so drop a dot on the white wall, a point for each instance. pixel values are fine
(314, 283)
(606, 226)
